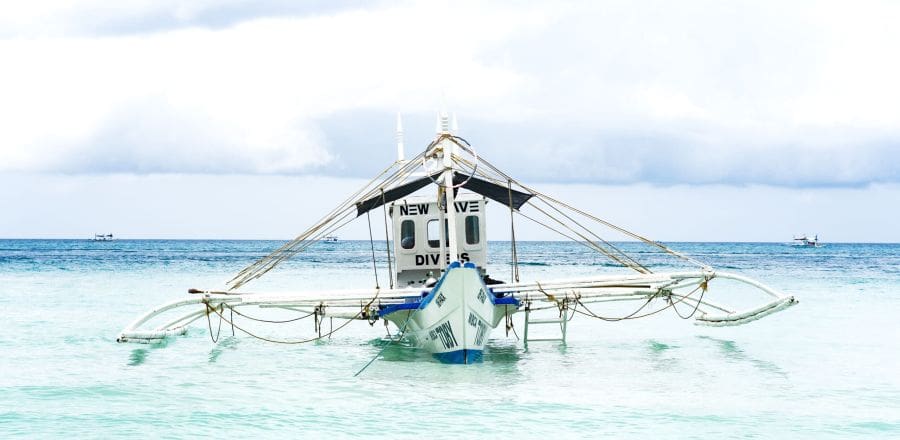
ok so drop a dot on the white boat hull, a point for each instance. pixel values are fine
(454, 321)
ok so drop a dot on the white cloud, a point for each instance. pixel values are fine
(701, 92)
(241, 99)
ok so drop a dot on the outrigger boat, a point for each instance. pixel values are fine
(804, 241)
(440, 297)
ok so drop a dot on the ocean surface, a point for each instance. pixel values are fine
(826, 368)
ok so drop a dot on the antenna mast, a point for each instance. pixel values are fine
(449, 148)
(401, 158)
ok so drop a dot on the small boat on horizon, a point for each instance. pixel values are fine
(803, 240)
(330, 239)
(102, 237)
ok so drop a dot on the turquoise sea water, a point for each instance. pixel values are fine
(829, 367)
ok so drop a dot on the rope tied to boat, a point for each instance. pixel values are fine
(319, 316)
(215, 339)
(387, 246)
(268, 321)
(509, 322)
(389, 342)
(562, 304)
(667, 293)
(331, 222)
(703, 287)
(366, 312)
(514, 256)
(318, 313)
(276, 341)
(372, 244)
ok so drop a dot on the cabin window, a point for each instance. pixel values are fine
(434, 236)
(472, 235)
(407, 234)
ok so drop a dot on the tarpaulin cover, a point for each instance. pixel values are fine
(493, 191)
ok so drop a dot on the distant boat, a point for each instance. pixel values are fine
(804, 241)
(102, 237)
(331, 239)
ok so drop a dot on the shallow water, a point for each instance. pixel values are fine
(829, 367)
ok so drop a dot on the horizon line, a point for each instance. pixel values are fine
(366, 240)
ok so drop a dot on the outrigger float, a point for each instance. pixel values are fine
(441, 298)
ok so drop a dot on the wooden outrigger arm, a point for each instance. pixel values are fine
(366, 303)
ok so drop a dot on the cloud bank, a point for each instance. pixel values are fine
(799, 94)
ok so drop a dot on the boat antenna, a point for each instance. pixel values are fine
(442, 125)
(400, 154)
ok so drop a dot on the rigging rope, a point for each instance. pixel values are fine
(596, 219)
(363, 309)
(631, 262)
(338, 217)
(215, 339)
(586, 243)
(512, 234)
(389, 342)
(276, 341)
(233, 310)
(324, 226)
(372, 243)
(387, 246)
(622, 258)
(593, 245)
(702, 288)
(634, 315)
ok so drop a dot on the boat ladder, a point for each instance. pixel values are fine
(561, 321)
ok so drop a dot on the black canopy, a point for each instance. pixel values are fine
(491, 190)
(392, 194)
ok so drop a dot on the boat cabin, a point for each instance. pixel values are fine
(417, 232)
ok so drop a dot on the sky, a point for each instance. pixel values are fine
(683, 121)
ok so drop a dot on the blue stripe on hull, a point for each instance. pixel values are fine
(464, 356)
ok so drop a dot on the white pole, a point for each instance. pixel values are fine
(401, 157)
(449, 149)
